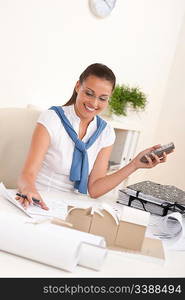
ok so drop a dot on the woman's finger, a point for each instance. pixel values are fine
(164, 158)
(21, 200)
(43, 205)
(29, 199)
(26, 203)
(156, 146)
(156, 158)
(149, 160)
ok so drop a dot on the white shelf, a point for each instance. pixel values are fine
(124, 123)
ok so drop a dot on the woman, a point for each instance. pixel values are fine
(71, 145)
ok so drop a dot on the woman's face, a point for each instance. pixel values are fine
(92, 97)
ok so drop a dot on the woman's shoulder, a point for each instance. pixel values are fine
(108, 129)
(49, 119)
(47, 115)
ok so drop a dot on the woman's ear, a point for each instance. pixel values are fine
(77, 86)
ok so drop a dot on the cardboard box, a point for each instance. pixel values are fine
(132, 227)
(127, 231)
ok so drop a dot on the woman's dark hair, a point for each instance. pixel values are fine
(98, 70)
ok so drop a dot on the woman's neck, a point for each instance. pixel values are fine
(83, 120)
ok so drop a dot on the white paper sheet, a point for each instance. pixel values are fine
(51, 244)
(57, 207)
(167, 227)
(5, 193)
(170, 229)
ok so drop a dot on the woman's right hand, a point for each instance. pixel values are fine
(28, 200)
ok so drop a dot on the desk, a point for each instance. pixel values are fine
(115, 265)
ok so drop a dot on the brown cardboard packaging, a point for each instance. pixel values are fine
(126, 233)
(131, 229)
(104, 225)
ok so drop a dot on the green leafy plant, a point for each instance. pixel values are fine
(125, 96)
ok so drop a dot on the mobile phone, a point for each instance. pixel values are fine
(159, 152)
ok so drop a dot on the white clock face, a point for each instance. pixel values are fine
(101, 8)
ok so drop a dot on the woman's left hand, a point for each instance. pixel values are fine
(151, 162)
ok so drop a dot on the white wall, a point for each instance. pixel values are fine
(171, 122)
(45, 45)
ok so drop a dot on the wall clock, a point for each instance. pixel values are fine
(101, 8)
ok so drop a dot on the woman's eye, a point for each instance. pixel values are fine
(103, 99)
(89, 94)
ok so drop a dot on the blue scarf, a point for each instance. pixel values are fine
(79, 171)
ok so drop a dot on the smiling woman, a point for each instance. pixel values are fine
(68, 138)
(71, 145)
(92, 91)
(87, 103)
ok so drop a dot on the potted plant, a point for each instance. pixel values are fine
(124, 97)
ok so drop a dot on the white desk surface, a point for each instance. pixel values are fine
(116, 264)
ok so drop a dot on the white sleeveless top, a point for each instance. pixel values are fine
(55, 168)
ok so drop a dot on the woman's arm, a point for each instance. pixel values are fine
(26, 181)
(100, 183)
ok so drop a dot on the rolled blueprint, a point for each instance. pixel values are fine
(50, 244)
(92, 256)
